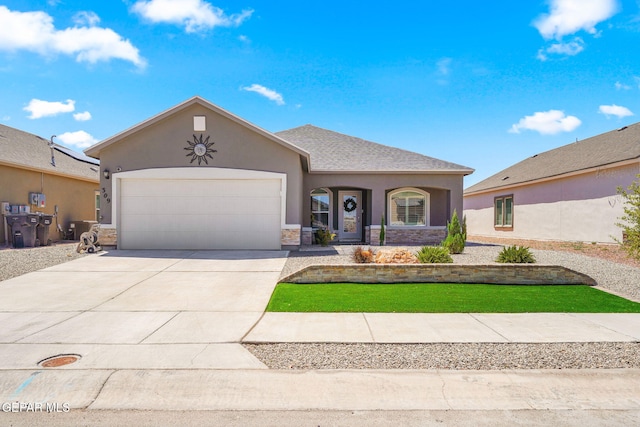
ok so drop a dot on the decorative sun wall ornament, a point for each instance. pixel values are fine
(350, 205)
(200, 149)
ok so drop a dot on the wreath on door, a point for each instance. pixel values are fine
(350, 205)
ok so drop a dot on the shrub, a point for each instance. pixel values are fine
(325, 236)
(363, 256)
(434, 254)
(456, 234)
(515, 255)
(382, 231)
(630, 221)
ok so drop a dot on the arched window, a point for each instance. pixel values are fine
(320, 208)
(408, 207)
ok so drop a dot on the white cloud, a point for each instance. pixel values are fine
(621, 86)
(571, 48)
(444, 66)
(547, 123)
(82, 117)
(39, 108)
(35, 32)
(615, 110)
(266, 92)
(194, 15)
(570, 16)
(80, 139)
(85, 18)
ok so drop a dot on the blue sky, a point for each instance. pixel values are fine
(483, 84)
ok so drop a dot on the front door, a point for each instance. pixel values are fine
(350, 215)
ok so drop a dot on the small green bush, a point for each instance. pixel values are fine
(630, 221)
(324, 236)
(516, 255)
(434, 254)
(382, 231)
(456, 234)
(363, 256)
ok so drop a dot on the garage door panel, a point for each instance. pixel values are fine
(200, 214)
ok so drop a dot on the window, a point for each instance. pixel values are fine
(97, 193)
(503, 208)
(320, 208)
(408, 207)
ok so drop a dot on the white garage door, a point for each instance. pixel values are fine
(200, 214)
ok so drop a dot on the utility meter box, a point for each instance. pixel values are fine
(37, 199)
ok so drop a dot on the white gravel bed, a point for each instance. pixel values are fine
(463, 356)
(621, 279)
(16, 262)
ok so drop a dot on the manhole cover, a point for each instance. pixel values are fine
(59, 360)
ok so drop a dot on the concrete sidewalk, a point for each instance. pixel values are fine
(446, 328)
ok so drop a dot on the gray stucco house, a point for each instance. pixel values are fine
(568, 193)
(198, 177)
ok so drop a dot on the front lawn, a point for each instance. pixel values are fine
(446, 298)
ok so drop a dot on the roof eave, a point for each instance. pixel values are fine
(396, 172)
(554, 177)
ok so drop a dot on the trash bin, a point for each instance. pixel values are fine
(42, 232)
(26, 225)
(18, 242)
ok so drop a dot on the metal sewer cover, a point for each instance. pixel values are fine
(59, 360)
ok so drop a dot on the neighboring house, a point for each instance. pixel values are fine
(199, 177)
(568, 193)
(30, 164)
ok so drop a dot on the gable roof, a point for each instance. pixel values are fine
(94, 150)
(28, 151)
(335, 152)
(608, 148)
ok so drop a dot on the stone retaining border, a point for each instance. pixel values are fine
(500, 274)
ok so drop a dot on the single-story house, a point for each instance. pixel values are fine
(566, 194)
(68, 180)
(198, 177)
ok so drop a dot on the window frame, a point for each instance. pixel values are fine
(97, 205)
(329, 210)
(427, 207)
(502, 225)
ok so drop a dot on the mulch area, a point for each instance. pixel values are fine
(609, 252)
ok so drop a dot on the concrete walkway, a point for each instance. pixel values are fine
(162, 330)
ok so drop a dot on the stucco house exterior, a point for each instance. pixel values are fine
(198, 177)
(31, 164)
(566, 194)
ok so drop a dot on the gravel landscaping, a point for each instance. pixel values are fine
(474, 356)
(16, 262)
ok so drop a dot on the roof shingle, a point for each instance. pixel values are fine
(23, 149)
(605, 149)
(335, 152)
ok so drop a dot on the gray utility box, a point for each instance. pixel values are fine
(25, 224)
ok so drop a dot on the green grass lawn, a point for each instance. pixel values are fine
(446, 298)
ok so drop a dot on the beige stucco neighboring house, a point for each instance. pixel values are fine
(198, 177)
(566, 194)
(31, 164)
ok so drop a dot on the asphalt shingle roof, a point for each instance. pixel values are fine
(27, 150)
(608, 148)
(336, 152)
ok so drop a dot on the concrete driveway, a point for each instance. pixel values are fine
(139, 310)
